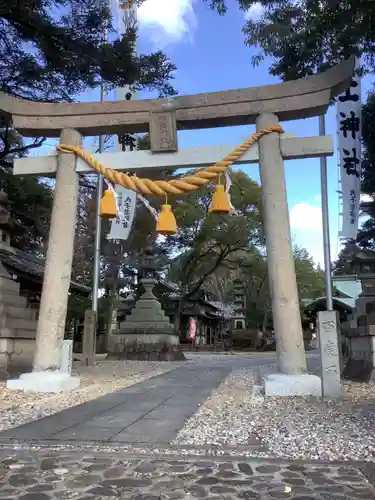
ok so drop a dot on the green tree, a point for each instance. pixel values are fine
(52, 51)
(254, 273)
(143, 143)
(343, 264)
(310, 279)
(304, 36)
(30, 203)
(308, 36)
(207, 241)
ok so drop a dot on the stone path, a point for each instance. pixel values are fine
(44, 475)
(118, 447)
(150, 412)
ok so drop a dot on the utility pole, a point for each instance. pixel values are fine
(129, 19)
(98, 226)
(328, 320)
(91, 315)
(325, 221)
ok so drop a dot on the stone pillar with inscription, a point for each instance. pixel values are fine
(329, 325)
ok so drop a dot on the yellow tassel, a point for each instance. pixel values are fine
(108, 205)
(220, 201)
(166, 223)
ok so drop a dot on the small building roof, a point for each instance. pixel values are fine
(341, 302)
(28, 265)
(351, 288)
(348, 288)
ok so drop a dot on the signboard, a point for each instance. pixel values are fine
(121, 225)
(349, 155)
(192, 328)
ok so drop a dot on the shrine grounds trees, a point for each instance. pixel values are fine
(207, 241)
(254, 274)
(54, 50)
(310, 278)
(343, 263)
(214, 249)
(308, 35)
(51, 52)
(30, 203)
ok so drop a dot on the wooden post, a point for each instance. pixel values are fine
(89, 337)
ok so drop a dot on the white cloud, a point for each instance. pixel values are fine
(255, 12)
(167, 20)
(366, 198)
(306, 229)
(306, 217)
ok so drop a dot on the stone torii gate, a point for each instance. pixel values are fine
(264, 106)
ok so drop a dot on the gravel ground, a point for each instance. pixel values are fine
(18, 407)
(296, 428)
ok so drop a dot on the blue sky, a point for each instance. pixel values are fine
(210, 55)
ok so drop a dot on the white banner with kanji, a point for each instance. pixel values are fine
(121, 225)
(349, 128)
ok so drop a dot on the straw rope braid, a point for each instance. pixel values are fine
(173, 186)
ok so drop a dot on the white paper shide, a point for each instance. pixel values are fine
(121, 225)
(349, 155)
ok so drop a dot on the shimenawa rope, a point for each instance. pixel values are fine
(173, 186)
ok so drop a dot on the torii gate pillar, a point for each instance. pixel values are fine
(46, 376)
(281, 270)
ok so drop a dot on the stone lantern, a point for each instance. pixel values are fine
(146, 333)
(148, 265)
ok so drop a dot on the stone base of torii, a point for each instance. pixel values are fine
(264, 106)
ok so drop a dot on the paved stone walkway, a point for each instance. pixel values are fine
(44, 475)
(150, 412)
(118, 447)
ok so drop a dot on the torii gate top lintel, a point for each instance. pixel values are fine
(292, 100)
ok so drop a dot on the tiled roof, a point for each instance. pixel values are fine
(350, 288)
(23, 262)
(345, 302)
